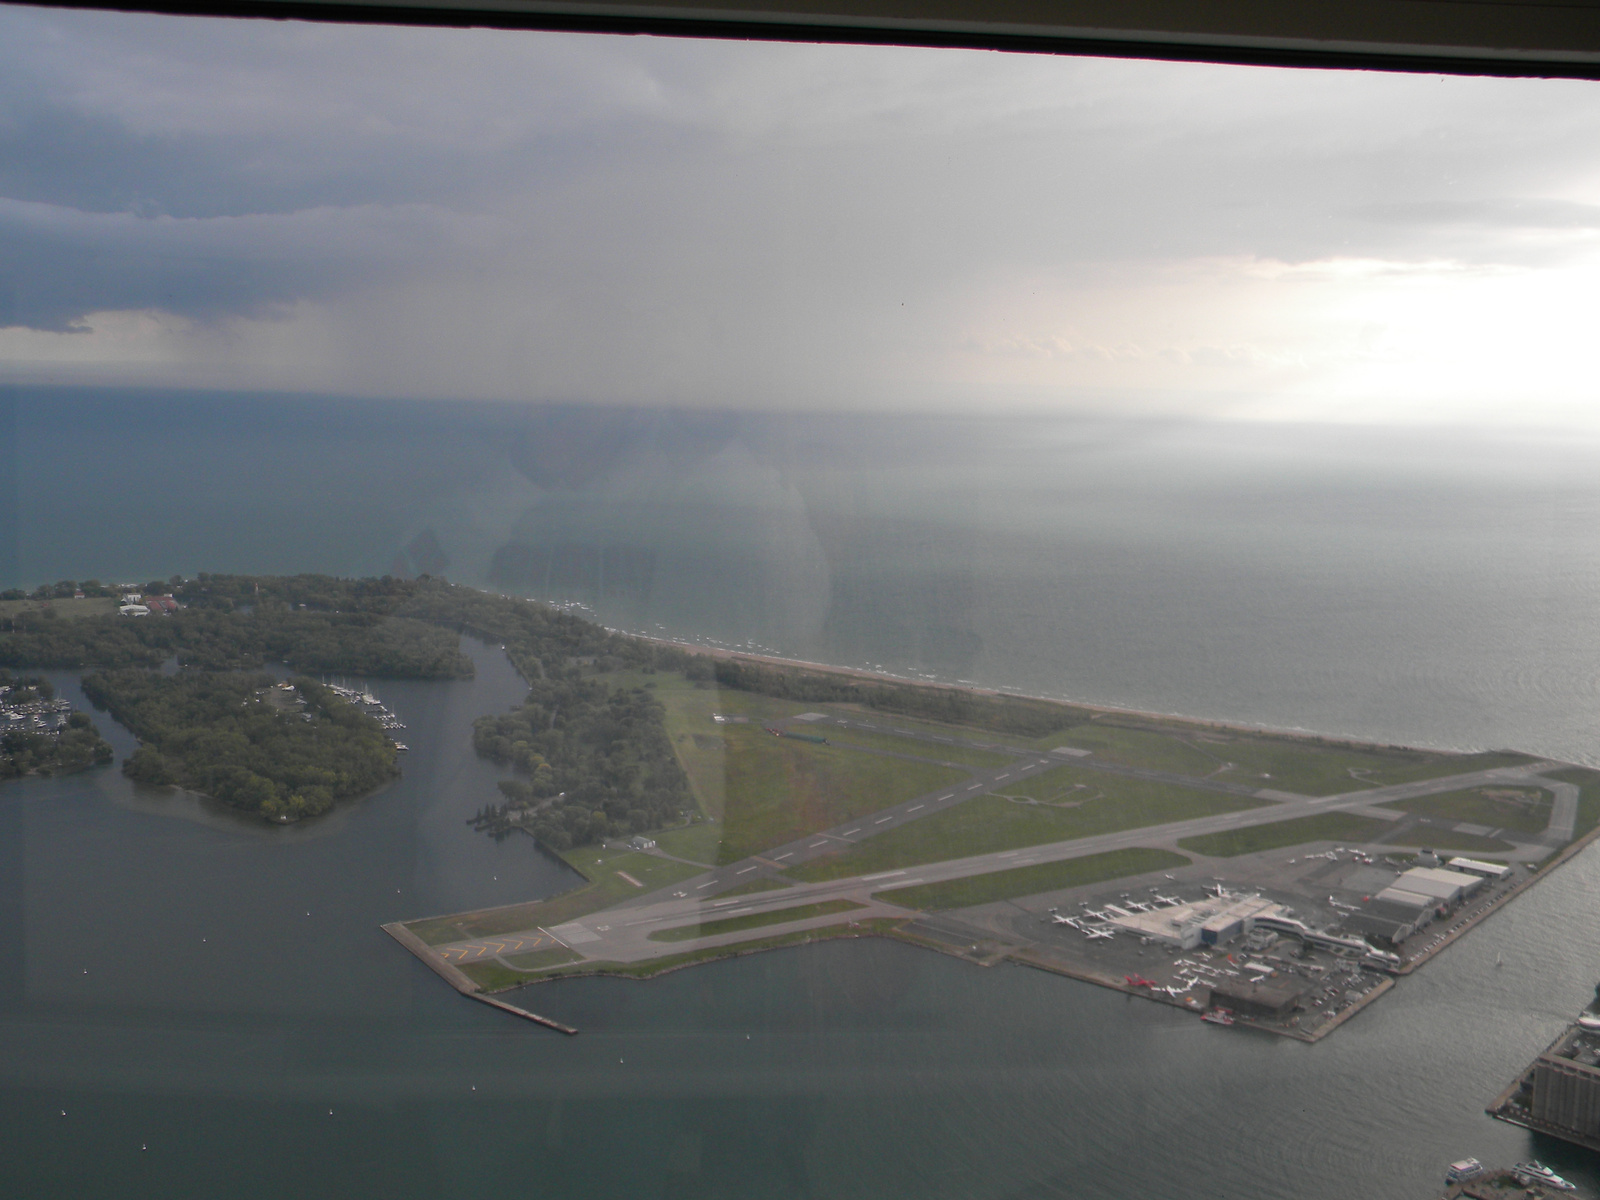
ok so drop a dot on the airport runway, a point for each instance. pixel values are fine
(621, 933)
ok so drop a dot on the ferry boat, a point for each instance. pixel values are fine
(1218, 1016)
(1536, 1172)
(1463, 1171)
(1589, 1022)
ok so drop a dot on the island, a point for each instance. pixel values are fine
(1259, 878)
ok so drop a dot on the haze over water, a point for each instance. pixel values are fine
(1403, 586)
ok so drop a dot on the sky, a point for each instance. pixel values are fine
(646, 221)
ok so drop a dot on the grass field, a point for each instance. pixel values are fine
(1520, 809)
(988, 823)
(493, 976)
(1029, 881)
(904, 745)
(698, 843)
(780, 916)
(89, 606)
(1324, 827)
(535, 960)
(757, 885)
(655, 966)
(778, 789)
(1284, 762)
(605, 888)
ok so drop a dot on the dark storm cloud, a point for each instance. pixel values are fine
(59, 264)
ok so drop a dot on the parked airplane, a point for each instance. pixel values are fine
(1169, 901)
(1097, 934)
(1140, 981)
(1098, 915)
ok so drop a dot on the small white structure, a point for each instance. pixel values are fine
(134, 610)
(1472, 866)
(639, 842)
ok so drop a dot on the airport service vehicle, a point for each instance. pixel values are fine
(1217, 1016)
(1536, 1172)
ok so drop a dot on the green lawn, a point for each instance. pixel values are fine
(803, 912)
(778, 789)
(988, 823)
(697, 843)
(1521, 809)
(605, 888)
(1029, 881)
(1324, 827)
(905, 745)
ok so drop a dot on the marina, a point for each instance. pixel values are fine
(373, 707)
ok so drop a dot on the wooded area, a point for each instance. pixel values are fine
(220, 734)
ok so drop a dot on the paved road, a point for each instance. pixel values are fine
(621, 934)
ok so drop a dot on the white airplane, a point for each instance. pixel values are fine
(1169, 901)
(1217, 890)
(1097, 934)
(1098, 915)
(1341, 905)
(1138, 906)
(1058, 919)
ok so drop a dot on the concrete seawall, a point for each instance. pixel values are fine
(456, 979)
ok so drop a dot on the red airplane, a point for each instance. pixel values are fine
(1139, 981)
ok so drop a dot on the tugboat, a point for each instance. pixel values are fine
(1217, 1016)
(1537, 1173)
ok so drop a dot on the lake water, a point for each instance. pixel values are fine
(196, 991)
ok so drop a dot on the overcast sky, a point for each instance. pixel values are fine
(538, 217)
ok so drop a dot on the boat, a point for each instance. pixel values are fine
(1463, 1171)
(1536, 1172)
(1589, 1022)
(1217, 1016)
(401, 746)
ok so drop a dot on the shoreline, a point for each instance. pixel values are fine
(1095, 707)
